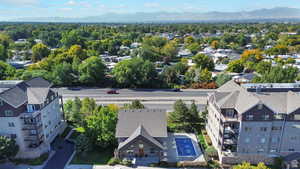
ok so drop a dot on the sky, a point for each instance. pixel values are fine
(10, 9)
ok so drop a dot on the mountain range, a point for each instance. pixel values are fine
(279, 13)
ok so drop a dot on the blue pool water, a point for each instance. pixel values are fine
(185, 147)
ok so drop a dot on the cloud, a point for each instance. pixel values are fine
(152, 5)
(19, 2)
(66, 9)
(71, 2)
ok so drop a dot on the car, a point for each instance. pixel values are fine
(112, 92)
(176, 90)
(74, 88)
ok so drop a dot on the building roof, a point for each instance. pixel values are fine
(140, 132)
(153, 120)
(232, 95)
(33, 91)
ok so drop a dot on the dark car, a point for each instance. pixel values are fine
(74, 88)
(112, 92)
(176, 90)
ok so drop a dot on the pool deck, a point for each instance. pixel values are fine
(171, 149)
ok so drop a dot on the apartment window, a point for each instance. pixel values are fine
(266, 117)
(8, 113)
(247, 140)
(260, 150)
(291, 149)
(263, 129)
(263, 140)
(1, 103)
(276, 128)
(152, 150)
(275, 139)
(11, 124)
(249, 117)
(273, 151)
(293, 138)
(278, 117)
(247, 129)
(13, 136)
(297, 117)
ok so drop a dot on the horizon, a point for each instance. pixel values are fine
(14, 9)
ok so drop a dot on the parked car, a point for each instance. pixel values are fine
(176, 90)
(74, 88)
(112, 92)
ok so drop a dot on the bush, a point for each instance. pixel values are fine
(211, 85)
(191, 164)
(211, 152)
(113, 161)
(36, 161)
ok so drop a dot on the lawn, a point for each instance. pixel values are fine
(96, 156)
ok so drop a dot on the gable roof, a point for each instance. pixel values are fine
(153, 120)
(140, 132)
(232, 95)
(33, 91)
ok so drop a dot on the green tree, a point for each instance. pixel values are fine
(87, 106)
(136, 104)
(63, 74)
(91, 71)
(6, 71)
(39, 51)
(205, 76)
(222, 79)
(82, 144)
(8, 148)
(135, 73)
(72, 38)
(235, 66)
(76, 117)
(263, 67)
(204, 62)
(278, 74)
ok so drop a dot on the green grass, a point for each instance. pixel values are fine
(96, 156)
(37, 161)
(202, 141)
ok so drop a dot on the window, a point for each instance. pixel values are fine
(276, 128)
(141, 146)
(247, 140)
(8, 113)
(273, 151)
(260, 150)
(293, 138)
(152, 150)
(13, 136)
(1, 103)
(249, 117)
(266, 117)
(291, 149)
(30, 108)
(278, 117)
(275, 140)
(263, 140)
(247, 128)
(263, 129)
(297, 117)
(11, 124)
(260, 106)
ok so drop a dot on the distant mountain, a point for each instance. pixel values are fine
(279, 13)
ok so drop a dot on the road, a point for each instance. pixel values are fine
(151, 98)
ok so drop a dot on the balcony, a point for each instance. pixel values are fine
(230, 130)
(230, 141)
(32, 126)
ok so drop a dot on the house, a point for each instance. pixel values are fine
(31, 113)
(138, 137)
(143, 138)
(254, 122)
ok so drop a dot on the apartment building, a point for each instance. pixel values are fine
(31, 113)
(254, 122)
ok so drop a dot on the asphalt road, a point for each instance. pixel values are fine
(151, 98)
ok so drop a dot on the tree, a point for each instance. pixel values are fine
(235, 66)
(222, 79)
(254, 55)
(215, 44)
(63, 74)
(82, 144)
(193, 117)
(263, 67)
(91, 71)
(76, 52)
(170, 76)
(8, 148)
(101, 126)
(135, 73)
(6, 71)
(205, 76)
(71, 38)
(87, 106)
(246, 165)
(194, 48)
(136, 104)
(76, 117)
(170, 49)
(204, 62)
(278, 74)
(39, 51)
(68, 109)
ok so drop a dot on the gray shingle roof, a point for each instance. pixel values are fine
(232, 95)
(140, 132)
(33, 91)
(153, 120)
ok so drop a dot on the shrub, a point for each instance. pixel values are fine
(191, 164)
(36, 161)
(113, 161)
(211, 152)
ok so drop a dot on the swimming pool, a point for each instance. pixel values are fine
(185, 147)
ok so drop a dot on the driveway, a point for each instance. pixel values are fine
(64, 151)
